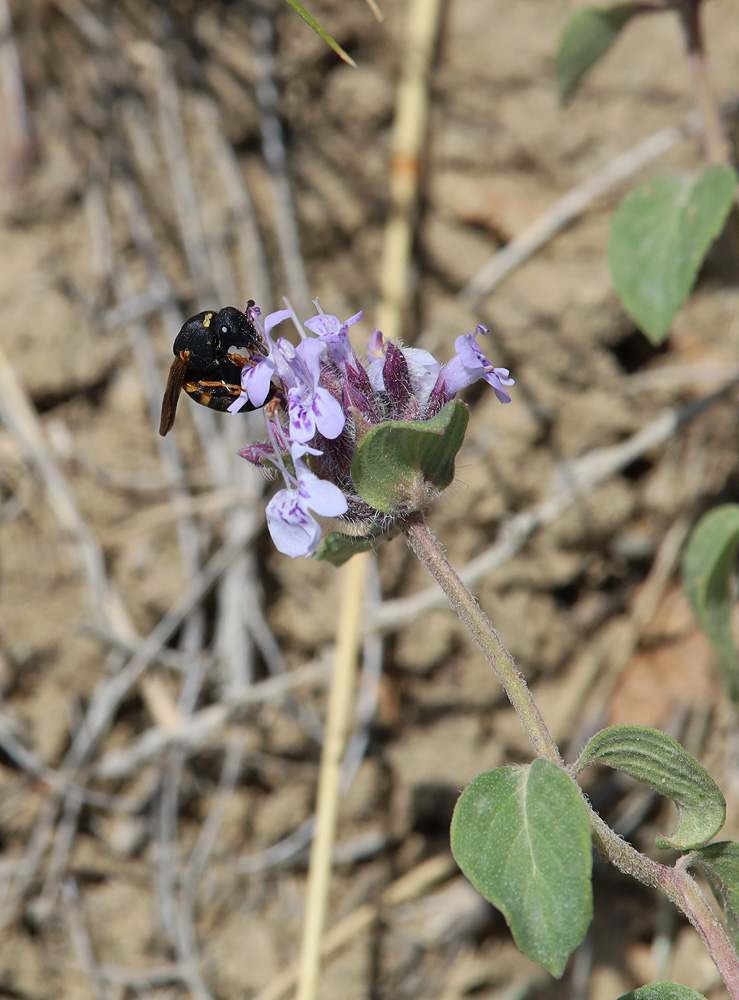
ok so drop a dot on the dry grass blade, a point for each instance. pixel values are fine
(348, 640)
(203, 727)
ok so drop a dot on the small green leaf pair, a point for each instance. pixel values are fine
(521, 834)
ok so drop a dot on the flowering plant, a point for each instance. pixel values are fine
(362, 441)
(364, 445)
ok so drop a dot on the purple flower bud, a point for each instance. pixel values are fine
(397, 381)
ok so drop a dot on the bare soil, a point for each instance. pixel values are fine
(95, 876)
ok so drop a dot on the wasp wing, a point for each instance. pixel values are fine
(175, 383)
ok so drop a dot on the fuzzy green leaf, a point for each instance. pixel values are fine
(660, 235)
(400, 464)
(708, 565)
(663, 991)
(720, 864)
(662, 763)
(337, 548)
(521, 835)
(585, 38)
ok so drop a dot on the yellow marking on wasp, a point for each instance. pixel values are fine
(206, 320)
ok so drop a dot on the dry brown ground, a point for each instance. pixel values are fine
(91, 905)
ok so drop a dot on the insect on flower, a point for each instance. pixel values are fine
(204, 365)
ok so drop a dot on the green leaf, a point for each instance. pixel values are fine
(660, 762)
(585, 38)
(521, 835)
(400, 464)
(663, 991)
(337, 548)
(720, 865)
(310, 20)
(659, 237)
(708, 564)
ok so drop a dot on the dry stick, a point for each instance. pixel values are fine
(166, 657)
(676, 884)
(19, 415)
(209, 833)
(355, 750)
(105, 702)
(202, 727)
(17, 412)
(573, 204)
(368, 691)
(30, 763)
(89, 26)
(80, 939)
(573, 481)
(409, 129)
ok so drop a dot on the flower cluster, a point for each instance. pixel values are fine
(324, 398)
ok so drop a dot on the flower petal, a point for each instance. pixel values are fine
(256, 380)
(293, 530)
(328, 414)
(273, 319)
(321, 496)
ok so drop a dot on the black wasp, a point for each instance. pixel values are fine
(203, 365)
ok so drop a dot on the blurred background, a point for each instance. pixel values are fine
(162, 668)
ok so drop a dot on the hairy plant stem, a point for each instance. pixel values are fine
(676, 883)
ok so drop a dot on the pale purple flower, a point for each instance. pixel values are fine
(467, 366)
(331, 328)
(310, 406)
(293, 528)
